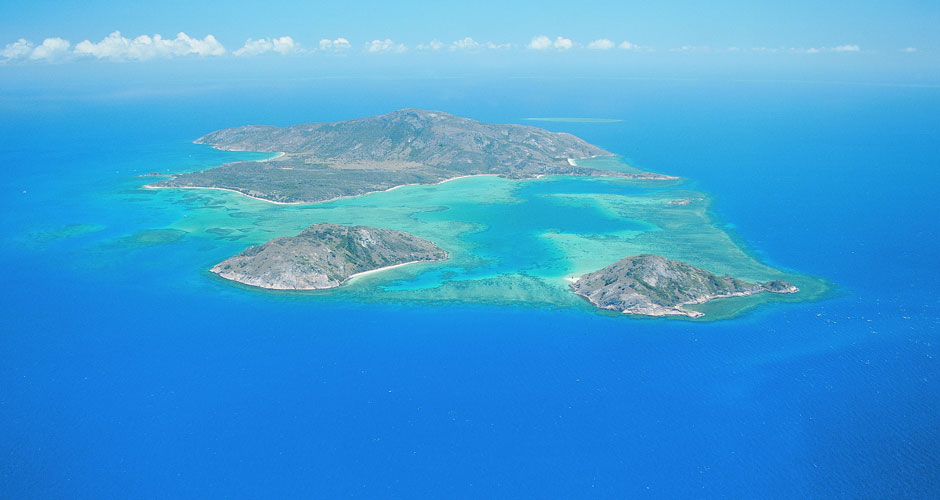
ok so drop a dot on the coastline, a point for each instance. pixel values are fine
(414, 184)
(571, 161)
(151, 186)
(678, 309)
(342, 283)
(380, 269)
(574, 161)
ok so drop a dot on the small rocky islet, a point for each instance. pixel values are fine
(325, 256)
(652, 285)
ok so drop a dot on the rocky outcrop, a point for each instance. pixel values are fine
(325, 256)
(652, 285)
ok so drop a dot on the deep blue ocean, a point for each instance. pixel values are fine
(123, 375)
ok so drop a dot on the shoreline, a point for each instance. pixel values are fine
(574, 161)
(341, 284)
(281, 154)
(151, 186)
(380, 269)
(679, 310)
(414, 184)
(571, 161)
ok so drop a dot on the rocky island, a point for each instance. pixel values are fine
(325, 256)
(325, 161)
(652, 285)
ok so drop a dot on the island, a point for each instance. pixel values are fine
(652, 285)
(505, 241)
(325, 161)
(325, 256)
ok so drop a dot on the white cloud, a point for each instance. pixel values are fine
(283, 45)
(540, 42)
(113, 46)
(144, 47)
(601, 44)
(51, 48)
(628, 45)
(905, 49)
(387, 45)
(337, 45)
(563, 43)
(847, 48)
(18, 49)
(470, 44)
(465, 44)
(183, 45)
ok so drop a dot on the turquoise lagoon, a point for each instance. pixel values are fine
(511, 242)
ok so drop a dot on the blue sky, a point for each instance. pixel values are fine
(878, 24)
(878, 35)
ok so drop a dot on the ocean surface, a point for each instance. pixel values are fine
(128, 371)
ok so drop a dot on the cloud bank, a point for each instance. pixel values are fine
(466, 44)
(601, 44)
(387, 45)
(117, 47)
(542, 42)
(144, 47)
(338, 45)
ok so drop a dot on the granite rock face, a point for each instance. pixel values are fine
(652, 285)
(325, 256)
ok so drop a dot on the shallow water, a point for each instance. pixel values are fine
(511, 242)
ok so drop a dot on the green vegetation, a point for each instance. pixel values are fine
(325, 161)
